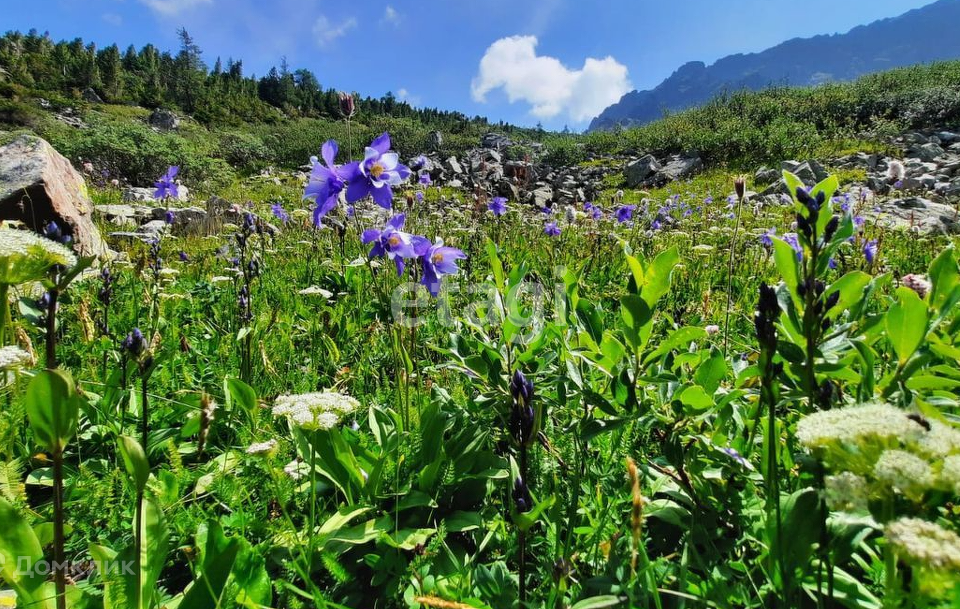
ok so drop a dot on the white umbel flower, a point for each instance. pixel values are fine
(318, 410)
(940, 441)
(926, 544)
(950, 473)
(26, 256)
(904, 472)
(262, 448)
(14, 357)
(846, 492)
(855, 424)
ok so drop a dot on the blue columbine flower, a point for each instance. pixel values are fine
(166, 186)
(625, 213)
(425, 179)
(870, 250)
(280, 213)
(376, 173)
(438, 260)
(551, 229)
(498, 206)
(656, 225)
(393, 242)
(326, 182)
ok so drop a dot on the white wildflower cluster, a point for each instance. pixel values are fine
(941, 440)
(879, 450)
(296, 469)
(262, 448)
(26, 256)
(950, 473)
(875, 423)
(14, 357)
(846, 492)
(925, 544)
(319, 410)
(904, 472)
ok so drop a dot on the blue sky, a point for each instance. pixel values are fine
(558, 62)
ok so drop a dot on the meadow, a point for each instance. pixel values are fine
(438, 401)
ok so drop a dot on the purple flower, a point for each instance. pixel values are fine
(655, 225)
(898, 184)
(551, 229)
(593, 211)
(184, 257)
(859, 221)
(393, 242)
(279, 212)
(832, 263)
(419, 196)
(166, 186)
(425, 179)
(767, 238)
(498, 206)
(169, 217)
(376, 173)
(870, 250)
(438, 260)
(625, 213)
(791, 240)
(326, 182)
(419, 163)
(351, 211)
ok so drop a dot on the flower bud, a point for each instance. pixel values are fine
(522, 500)
(740, 185)
(348, 105)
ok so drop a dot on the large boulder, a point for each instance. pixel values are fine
(496, 141)
(639, 171)
(39, 185)
(164, 120)
(918, 214)
(681, 167)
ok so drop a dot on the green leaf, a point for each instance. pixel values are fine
(799, 529)
(711, 372)
(238, 393)
(658, 276)
(52, 406)
(219, 554)
(787, 264)
(153, 553)
(944, 277)
(20, 548)
(637, 317)
(135, 461)
(495, 263)
(850, 287)
(599, 602)
(906, 323)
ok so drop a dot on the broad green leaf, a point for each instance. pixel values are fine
(850, 287)
(219, 555)
(786, 259)
(53, 407)
(20, 548)
(906, 323)
(658, 276)
(600, 602)
(135, 462)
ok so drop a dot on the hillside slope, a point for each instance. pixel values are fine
(918, 36)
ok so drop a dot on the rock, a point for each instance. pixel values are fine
(777, 188)
(948, 137)
(639, 171)
(186, 220)
(435, 141)
(123, 215)
(925, 215)
(91, 96)
(809, 172)
(681, 167)
(39, 185)
(164, 119)
(496, 141)
(542, 196)
(926, 152)
(766, 175)
(455, 184)
(136, 194)
(453, 165)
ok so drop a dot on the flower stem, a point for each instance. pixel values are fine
(59, 562)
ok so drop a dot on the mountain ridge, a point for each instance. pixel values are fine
(881, 45)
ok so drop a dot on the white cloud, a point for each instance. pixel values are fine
(546, 84)
(402, 93)
(112, 18)
(173, 7)
(325, 32)
(391, 16)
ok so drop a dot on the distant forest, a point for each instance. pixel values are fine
(222, 95)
